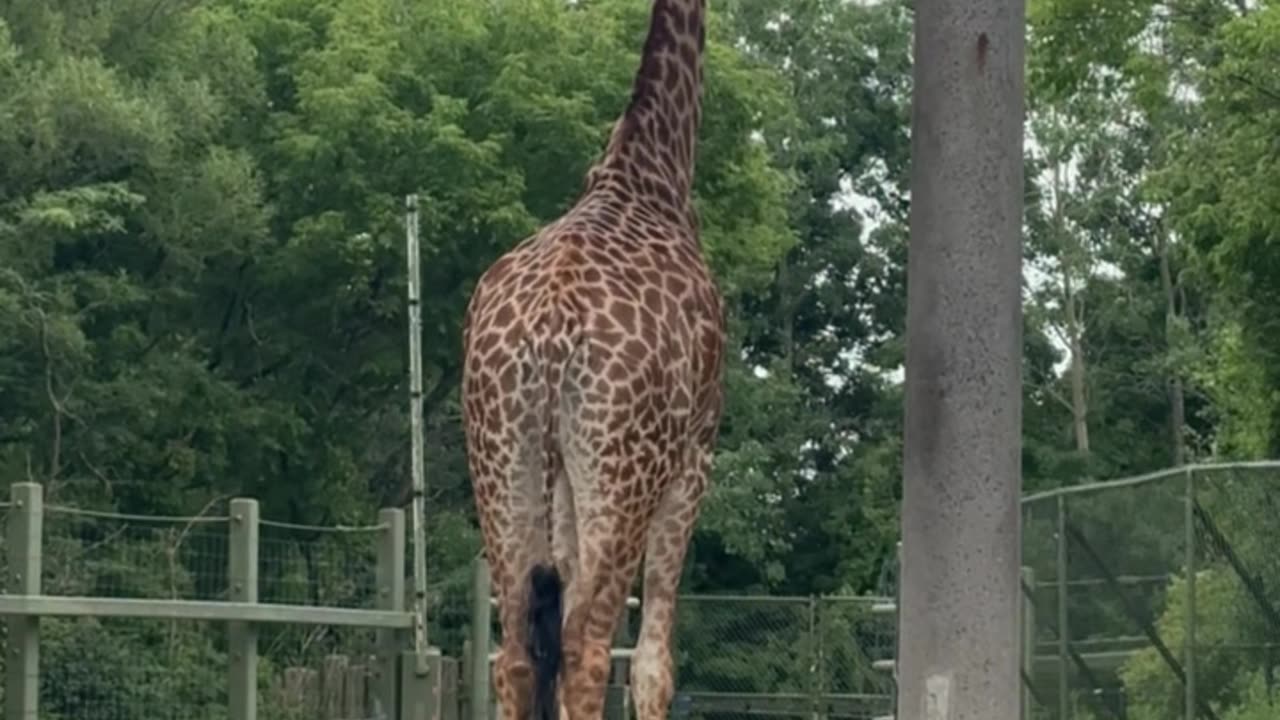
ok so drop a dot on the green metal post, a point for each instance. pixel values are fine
(1028, 639)
(1189, 646)
(815, 647)
(478, 680)
(243, 636)
(1064, 631)
(25, 540)
(390, 579)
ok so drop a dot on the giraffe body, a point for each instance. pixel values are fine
(592, 397)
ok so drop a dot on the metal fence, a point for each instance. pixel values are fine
(798, 657)
(738, 657)
(220, 616)
(1149, 598)
(1157, 597)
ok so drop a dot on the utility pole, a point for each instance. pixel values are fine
(958, 646)
(417, 470)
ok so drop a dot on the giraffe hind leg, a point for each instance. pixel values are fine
(652, 665)
(610, 561)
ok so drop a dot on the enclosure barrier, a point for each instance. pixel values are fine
(382, 682)
(737, 656)
(1145, 597)
(1156, 596)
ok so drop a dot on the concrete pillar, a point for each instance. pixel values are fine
(958, 650)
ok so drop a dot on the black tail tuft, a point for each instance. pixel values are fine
(545, 593)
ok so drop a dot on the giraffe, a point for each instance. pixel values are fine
(592, 396)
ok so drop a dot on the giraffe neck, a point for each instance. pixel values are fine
(654, 142)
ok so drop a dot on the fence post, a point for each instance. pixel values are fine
(1064, 632)
(1028, 639)
(815, 659)
(422, 686)
(390, 579)
(1189, 642)
(242, 636)
(478, 682)
(25, 540)
(618, 692)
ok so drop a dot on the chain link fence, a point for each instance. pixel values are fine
(1156, 597)
(4, 588)
(743, 657)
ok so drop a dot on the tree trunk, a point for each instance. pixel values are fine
(1177, 396)
(1072, 317)
(1075, 342)
(963, 444)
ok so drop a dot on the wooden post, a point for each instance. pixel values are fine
(478, 669)
(332, 683)
(25, 540)
(243, 637)
(390, 579)
(354, 702)
(301, 691)
(422, 686)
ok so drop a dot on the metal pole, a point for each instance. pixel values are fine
(1189, 548)
(961, 518)
(1028, 640)
(815, 647)
(415, 429)
(1064, 629)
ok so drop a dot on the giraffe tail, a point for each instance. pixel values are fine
(546, 586)
(546, 591)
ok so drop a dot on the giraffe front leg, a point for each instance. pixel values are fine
(652, 666)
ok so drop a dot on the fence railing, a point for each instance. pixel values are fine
(739, 656)
(118, 617)
(1157, 596)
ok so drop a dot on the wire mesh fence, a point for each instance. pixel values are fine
(1149, 598)
(130, 669)
(4, 588)
(1156, 597)
(156, 668)
(101, 554)
(786, 657)
(320, 566)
